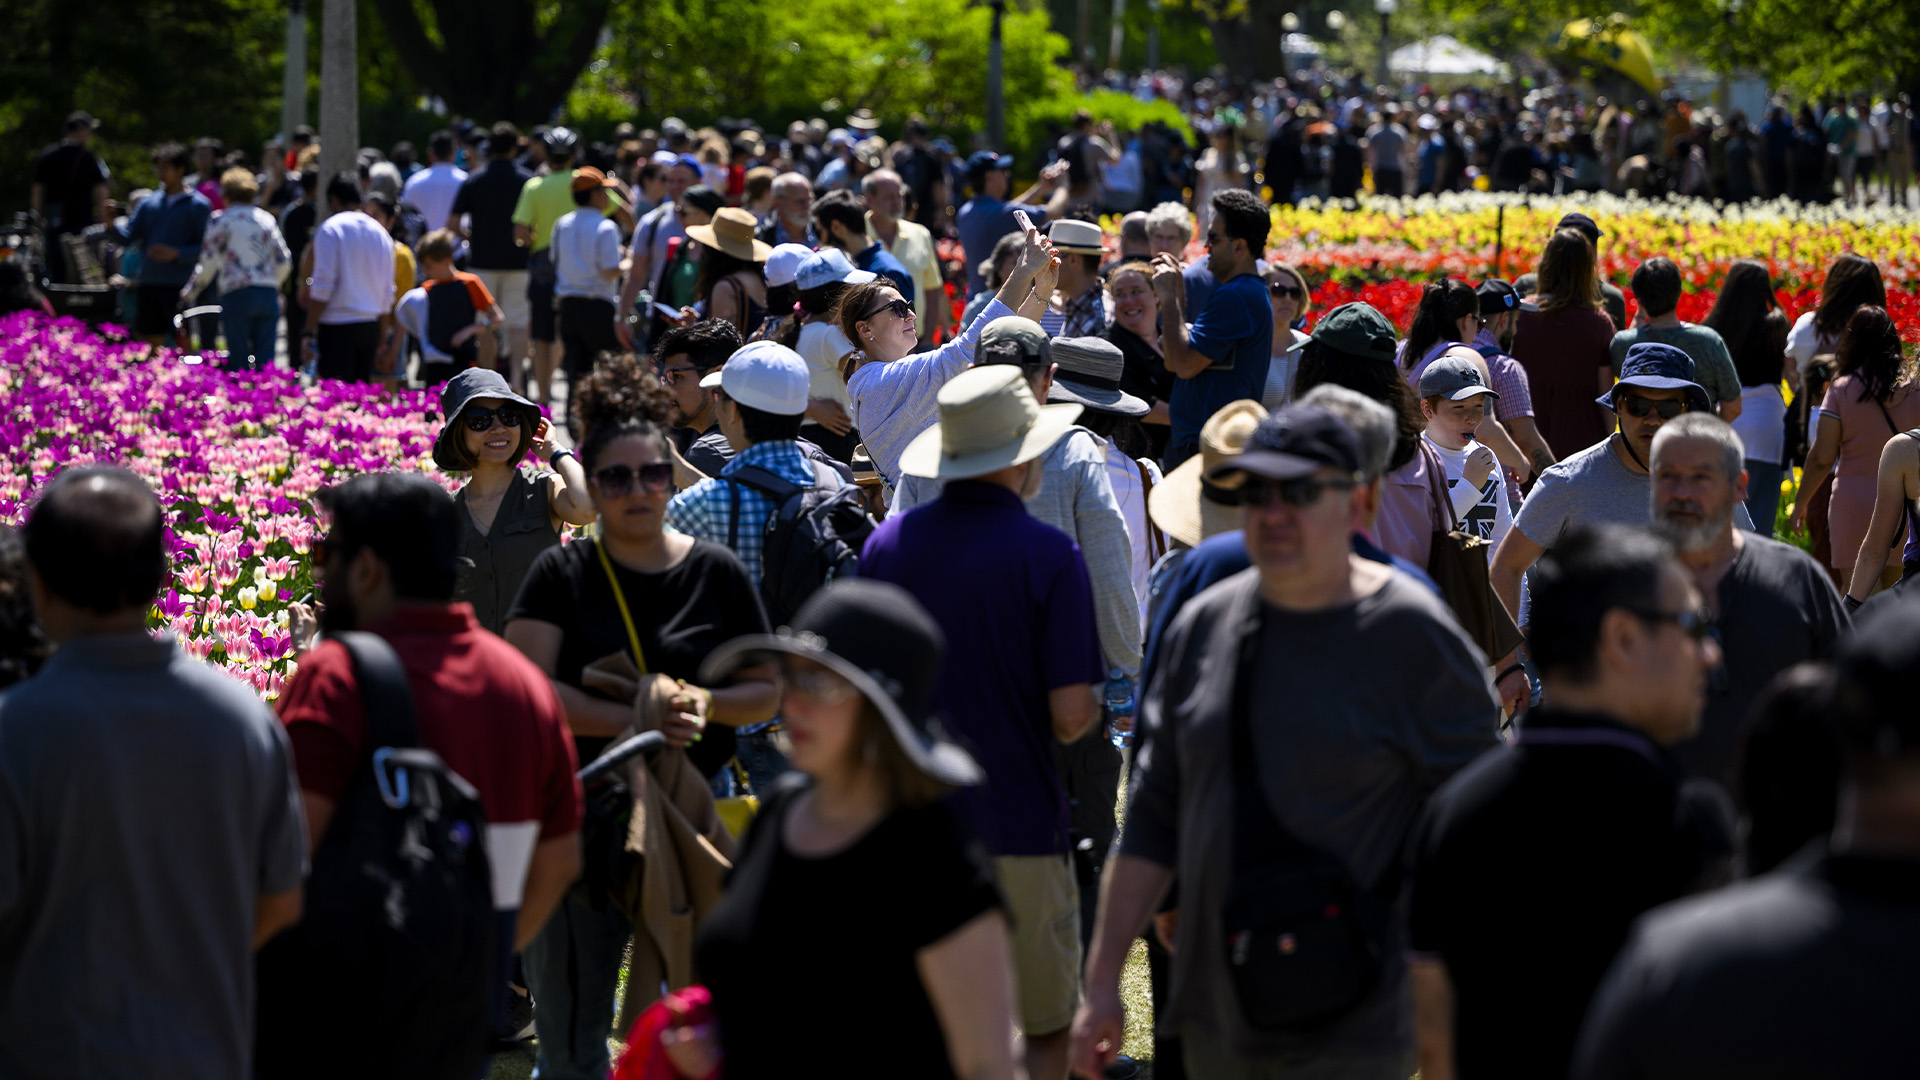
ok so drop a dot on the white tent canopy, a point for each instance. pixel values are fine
(1443, 55)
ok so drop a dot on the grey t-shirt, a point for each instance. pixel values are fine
(147, 803)
(1360, 713)
(1777, 608)
(1592, 487)
(1712, 365)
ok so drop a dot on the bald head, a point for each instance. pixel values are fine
(97, 542)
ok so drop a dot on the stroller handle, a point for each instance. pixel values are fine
(644, 743)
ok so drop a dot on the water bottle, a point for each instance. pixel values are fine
(1119, 704)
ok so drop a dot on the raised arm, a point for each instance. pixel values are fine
(1898, 461)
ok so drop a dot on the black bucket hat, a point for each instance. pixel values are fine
(876, 636)
(473, 384)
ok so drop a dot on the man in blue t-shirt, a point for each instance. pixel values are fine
(988, 216)
(840, 218)
(1222, 356)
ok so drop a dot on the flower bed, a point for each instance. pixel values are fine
(235, 459)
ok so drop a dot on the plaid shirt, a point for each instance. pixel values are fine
(1509, 380)
(705, 510)
(1083, 316)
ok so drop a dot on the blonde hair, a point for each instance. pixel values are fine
(237, 185)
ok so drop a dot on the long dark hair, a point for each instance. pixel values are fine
(1748, 318)
(1376, 379)
(1852, 280)
(716, 264)
(1870, 352)
(1566, 276)
(1124, 432)
(1442, 305)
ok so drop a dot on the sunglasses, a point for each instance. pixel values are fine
(482, 419)
(1695, 624)
(671, 376)
(1214, 238)
(1301, 491)
(1639, 407)
(616, 481)
(1292, 292)
(898, 307)
(820, 687)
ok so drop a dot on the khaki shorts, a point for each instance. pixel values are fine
(1044, 905)
(509, 289)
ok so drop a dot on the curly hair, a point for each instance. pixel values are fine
(23, 646)
(620, 388)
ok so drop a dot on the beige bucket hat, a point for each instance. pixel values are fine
(988, 422)
(1181, 504)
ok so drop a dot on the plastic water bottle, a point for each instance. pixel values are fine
(1120, 709)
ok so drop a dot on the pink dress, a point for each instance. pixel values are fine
(1864, 431)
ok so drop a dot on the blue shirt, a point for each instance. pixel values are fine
(1012, 596)
(705, 510)
(1235, 331)
(878, 260)
(179, 221)
(982, 221)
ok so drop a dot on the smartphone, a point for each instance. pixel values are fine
(1025, 222)
(667, 312)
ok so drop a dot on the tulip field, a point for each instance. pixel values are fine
(237, 458)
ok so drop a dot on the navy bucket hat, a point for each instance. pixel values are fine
(1659, 367)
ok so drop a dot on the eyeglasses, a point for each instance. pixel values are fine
(1639, 407)
(1214, 238)
(671, 375)
(1695, 624)
(482, 419)
(1291, 292)
(818, 686)
(897, 306)
(1300, 491)
(616, 481)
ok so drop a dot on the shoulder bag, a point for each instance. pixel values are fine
(1305, 942)
(1457, 563)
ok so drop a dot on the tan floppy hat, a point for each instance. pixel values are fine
(988, 422)
(1179, 503)
(732, 232)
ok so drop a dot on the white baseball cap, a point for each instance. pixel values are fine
(764, 375)
(783, 265)
(665, 157)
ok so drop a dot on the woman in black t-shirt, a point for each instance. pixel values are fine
(679, 598)
(857, 903)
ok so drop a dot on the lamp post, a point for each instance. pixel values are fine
(996, 83)
(339, 92)
(1385, 8)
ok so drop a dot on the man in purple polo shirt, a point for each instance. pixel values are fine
(1023, 657)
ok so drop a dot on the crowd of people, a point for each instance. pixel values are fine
(1483, 726)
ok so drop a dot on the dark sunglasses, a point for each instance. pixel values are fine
(1214, 238)
(1300, 491)
(671, 375)
(616, 481)
(1639, 407)
(1695, 624)
(482, 419)
(898, 307)
(1291, 291)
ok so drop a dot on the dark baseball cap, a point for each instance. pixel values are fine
(1453, 377)
(81, 118)
(705, 198)
(983, 160)
(1497, 297)
(1296, 441)
(1355, 328)
(1657, 366)
(1583, 223)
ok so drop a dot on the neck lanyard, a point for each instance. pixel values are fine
(620, 598)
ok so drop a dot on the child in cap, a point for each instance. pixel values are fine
(1455, 399)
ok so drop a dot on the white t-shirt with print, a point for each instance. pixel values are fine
(1483, 513)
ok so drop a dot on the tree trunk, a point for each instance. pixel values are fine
(1249, 44)
(339, 93)
(293, 90)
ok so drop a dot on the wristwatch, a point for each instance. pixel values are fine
(553, 459)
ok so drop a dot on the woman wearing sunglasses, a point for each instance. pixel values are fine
(857, 887)
(621, 624)
(512, 514)
(893, 389)
(1287, 292)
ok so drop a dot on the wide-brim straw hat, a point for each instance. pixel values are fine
(732, 232)
(988, 421)
(1180, 503)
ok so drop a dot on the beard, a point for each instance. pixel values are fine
(1693, 536)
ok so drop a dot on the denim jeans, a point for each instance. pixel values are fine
(249, 317)
(573, 968)
(1763, 494)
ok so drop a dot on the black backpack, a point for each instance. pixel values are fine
(390, 970)
(813, 536)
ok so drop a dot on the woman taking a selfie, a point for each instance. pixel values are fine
(857, 888)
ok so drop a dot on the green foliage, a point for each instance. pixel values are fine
(1028, 129)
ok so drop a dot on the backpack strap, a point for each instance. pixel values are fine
(383, 690)
(775, 488)
(1488, 352)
